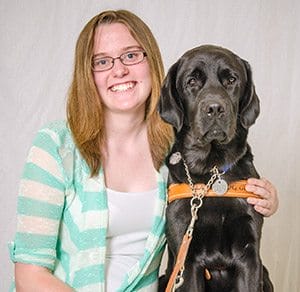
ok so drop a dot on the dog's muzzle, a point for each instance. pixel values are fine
(216, 120)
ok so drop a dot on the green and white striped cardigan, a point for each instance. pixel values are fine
(63, 216)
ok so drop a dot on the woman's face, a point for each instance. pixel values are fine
(122, 88)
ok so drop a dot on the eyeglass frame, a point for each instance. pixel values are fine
(112, 60)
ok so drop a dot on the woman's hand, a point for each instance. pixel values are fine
(268, 204)
(30, 278)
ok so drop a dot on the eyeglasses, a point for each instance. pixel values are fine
(100, 64)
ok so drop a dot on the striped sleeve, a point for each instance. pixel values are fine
(40, 203)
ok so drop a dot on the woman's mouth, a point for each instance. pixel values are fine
(122, 87)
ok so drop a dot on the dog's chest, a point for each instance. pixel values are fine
(222, 224)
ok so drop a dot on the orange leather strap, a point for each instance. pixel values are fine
(184, 247)
(183, 191)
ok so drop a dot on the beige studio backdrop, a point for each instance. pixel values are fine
(36, 56)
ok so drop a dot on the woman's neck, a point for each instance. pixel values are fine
(128, 164)
(124, 128)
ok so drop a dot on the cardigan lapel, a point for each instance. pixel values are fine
(155, 243)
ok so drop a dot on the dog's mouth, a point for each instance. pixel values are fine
(215, 134)
(203, 131)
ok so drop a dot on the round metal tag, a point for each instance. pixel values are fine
(175, 158)
(220, 186)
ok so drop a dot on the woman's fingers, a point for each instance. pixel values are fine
(268, 204)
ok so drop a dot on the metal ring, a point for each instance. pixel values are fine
(196, 202)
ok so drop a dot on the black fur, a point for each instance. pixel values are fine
(209, 98)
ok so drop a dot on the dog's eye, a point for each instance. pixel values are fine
(191, 81)
(231, 80)
(195, 79)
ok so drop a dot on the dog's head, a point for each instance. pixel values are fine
(208, 93)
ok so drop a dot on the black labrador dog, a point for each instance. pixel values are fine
(209, 98)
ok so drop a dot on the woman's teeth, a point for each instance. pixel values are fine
(122, 87)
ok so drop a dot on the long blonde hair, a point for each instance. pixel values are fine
(84, 108)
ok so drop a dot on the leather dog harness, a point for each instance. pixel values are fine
(183, 191)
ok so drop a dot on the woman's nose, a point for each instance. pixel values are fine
(119, 69)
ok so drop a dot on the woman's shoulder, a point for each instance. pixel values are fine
(55, 139)
(58, 132)
(59, 127)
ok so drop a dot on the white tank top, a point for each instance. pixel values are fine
(130, 221)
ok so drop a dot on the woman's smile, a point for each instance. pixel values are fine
(122, 87)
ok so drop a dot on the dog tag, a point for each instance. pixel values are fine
(220, 186)
(175, 158)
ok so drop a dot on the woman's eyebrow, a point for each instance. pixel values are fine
(125, 49)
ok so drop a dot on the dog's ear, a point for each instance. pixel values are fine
(249, 103)
(170, 106)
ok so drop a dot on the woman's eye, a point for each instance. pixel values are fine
(131, 56)
(102, 62)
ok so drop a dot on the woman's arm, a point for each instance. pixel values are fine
(268, 204)
(41, 200)
(30, 278)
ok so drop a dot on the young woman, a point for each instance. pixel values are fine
(92, 198)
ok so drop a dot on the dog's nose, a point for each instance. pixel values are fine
(214, 110)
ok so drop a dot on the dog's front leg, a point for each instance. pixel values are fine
(193, 278)
(250, 275)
